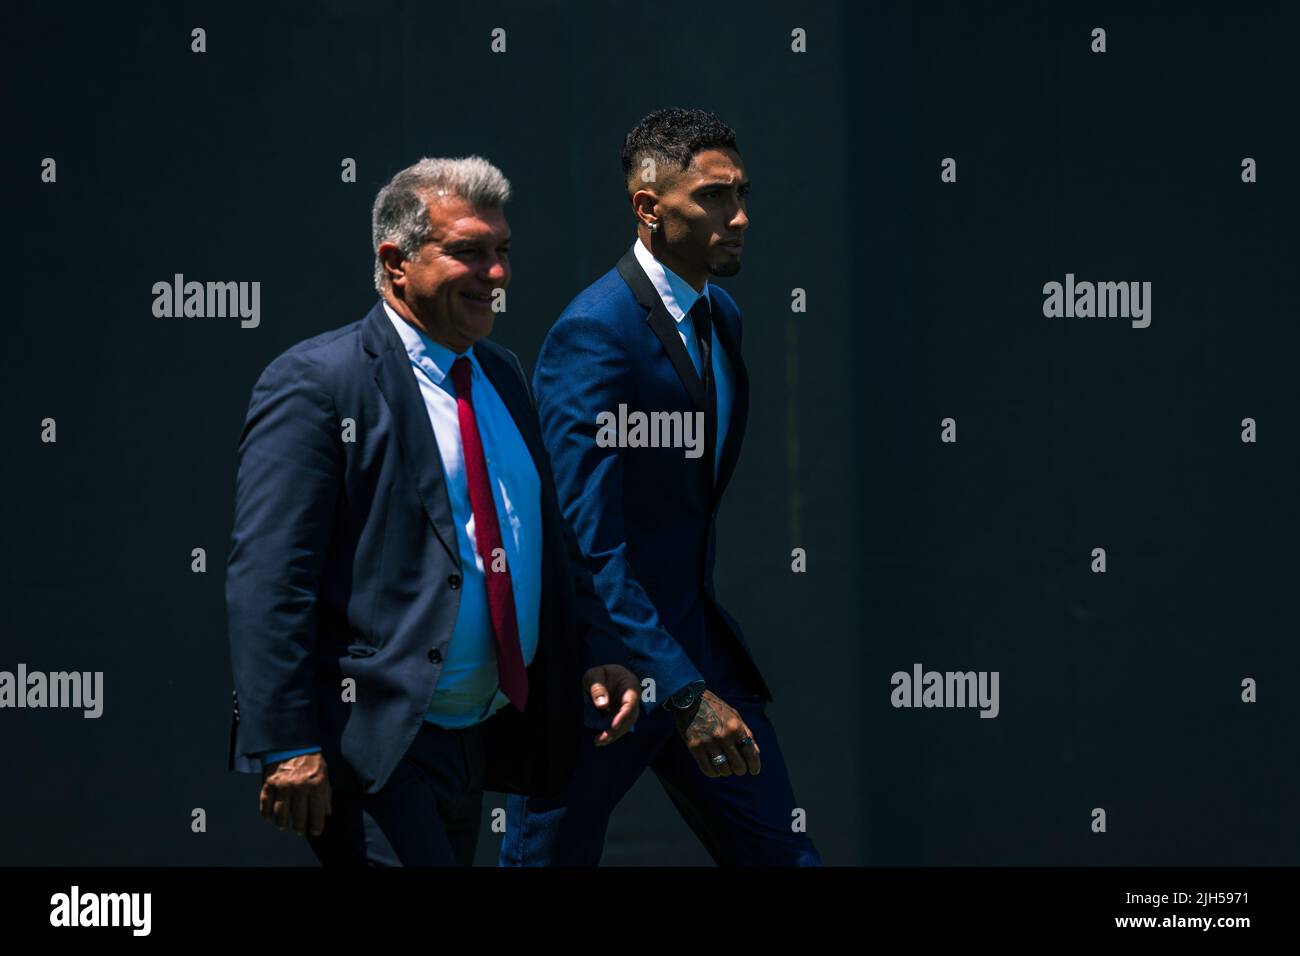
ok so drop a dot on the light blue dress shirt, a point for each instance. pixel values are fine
(678, 297)
(468, 689)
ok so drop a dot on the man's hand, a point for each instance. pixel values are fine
(299, 788)
(612, 682)
(715, 729)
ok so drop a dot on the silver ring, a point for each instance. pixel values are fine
(719, 760)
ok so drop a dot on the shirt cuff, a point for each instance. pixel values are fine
(271, 756)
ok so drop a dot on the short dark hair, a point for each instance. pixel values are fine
(673, 136)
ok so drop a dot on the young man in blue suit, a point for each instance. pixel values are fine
(411, 621)
(653, 336)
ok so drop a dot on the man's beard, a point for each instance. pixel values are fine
(724, 269)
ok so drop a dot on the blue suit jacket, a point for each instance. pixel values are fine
(345, 564)
(645, 517)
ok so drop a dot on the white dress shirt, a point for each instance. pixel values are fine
(678, 297)
(468, 689)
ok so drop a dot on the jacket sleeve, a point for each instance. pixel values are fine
(288, 482)
(272, 756)
(583, 370)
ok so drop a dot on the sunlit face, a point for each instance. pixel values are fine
(701, 214)
(449, 285)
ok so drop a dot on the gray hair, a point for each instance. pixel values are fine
(401, 211)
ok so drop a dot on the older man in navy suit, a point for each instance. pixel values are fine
(410, 618)
(655, 338)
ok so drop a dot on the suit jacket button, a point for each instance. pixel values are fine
(435, 656)
(453, 581)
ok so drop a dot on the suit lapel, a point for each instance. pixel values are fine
(510, 387)
(513, 391)
(663, 325)
(665, 328)
(396, 381)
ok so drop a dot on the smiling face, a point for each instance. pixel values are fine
(447, 289)
(701, 215)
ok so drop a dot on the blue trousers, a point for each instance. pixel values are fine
(742, 821)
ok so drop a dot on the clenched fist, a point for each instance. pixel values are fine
(296, 789)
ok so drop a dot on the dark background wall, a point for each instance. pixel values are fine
(1118, 690)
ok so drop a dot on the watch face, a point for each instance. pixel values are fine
(688, 696)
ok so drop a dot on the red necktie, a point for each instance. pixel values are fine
(487, 533)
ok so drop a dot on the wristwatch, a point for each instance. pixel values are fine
(687, 697)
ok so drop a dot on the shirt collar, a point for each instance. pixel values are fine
(432, 357)
(676, 292)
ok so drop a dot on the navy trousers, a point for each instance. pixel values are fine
(742, 821)
(427, 814)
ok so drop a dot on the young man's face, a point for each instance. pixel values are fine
(702, 217)
(449, 283)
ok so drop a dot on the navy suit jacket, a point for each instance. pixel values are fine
(345, 564)
(645, 517)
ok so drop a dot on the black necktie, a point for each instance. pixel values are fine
(702, 319)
